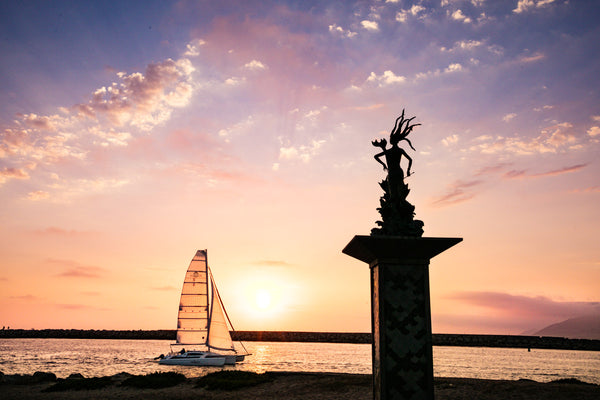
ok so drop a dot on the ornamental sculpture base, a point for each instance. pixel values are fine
(401, 313)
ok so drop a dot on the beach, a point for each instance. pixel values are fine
(308, 386)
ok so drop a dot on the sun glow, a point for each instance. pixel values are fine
(263, 299)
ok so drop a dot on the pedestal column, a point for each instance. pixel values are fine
(401, 314)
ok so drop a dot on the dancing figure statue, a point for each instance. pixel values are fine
(396, 212)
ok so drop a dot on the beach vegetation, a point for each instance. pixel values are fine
(155, 380)
(232, 380)
(79, 384)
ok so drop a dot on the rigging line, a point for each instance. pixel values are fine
(209, 316)
(212, 279)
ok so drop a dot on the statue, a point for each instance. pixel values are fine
(396, 212)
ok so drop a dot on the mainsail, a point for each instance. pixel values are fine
(201, 320)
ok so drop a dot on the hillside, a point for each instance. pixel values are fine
(587, 327)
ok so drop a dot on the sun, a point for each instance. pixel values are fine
(263, 299)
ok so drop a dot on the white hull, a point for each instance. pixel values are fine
(196, 358)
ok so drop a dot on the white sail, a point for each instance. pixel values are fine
(201, 318)
(192, 319)
(218, 332)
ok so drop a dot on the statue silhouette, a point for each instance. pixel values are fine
(397, 213)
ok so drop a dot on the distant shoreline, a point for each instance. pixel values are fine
(461, 340)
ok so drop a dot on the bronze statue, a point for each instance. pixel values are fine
(396, 212)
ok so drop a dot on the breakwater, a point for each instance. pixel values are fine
(463, 340)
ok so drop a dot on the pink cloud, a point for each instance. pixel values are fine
(26, 297)
(518, 174)
(492, 169)
(458, 192)
(55, 231)
(75, 270)
(526, 306)
(75, 307)
(591, 189)
(272, 263)
(12, 173)
(565, 170)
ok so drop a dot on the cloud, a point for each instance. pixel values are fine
(334, 28)
(12, 173)
(526, 5)
(414, 11)
(591, 189)
(533, 58)
(457, 192)
(272, 263)
(520, 174)
(370, 25)
(113, 116)
(25, 297)
(509, 117)
(464, 45)
(560, 171)
(303, 152)
(75, 307)
(255, 65)
(73, 269)
(492, 169)
(386, 79)
(452, 139)
(459, 16)
(61, 232)
(594, 131)
(551, 139)
(193, 48)
(450, 69)
(142, 100)
(519, 306)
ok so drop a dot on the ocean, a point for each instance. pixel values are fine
(97, 357)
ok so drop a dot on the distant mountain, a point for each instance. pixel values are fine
(587, 327)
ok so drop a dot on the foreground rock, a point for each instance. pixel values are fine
(306, 386)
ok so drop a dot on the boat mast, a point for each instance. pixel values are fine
(209, 301)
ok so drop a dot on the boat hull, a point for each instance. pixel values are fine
(195, 359)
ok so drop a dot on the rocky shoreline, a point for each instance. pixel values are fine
(227, 385)
(507, 341)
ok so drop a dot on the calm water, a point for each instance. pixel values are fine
(108, 357)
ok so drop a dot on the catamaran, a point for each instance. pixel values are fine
(203, 336)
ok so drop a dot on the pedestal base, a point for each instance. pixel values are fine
(401, 315)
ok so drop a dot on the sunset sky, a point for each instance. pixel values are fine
(134, 133)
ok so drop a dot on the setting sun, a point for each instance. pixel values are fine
(263, 299)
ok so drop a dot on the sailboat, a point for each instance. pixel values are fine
(203, 336)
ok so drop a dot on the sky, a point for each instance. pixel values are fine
(134, 133)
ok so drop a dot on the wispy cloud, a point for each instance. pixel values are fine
(79, 307)
(25, 297)
(73, 269)
(272, 263)
(61, 232)
(114, 114)
(7, 173)
(551, 139)
(523, 173)
(458, 192)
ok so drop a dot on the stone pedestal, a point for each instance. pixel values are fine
(401, 313)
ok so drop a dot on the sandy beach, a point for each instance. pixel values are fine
(307, 386)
